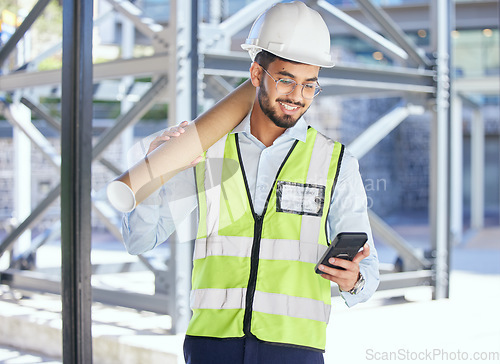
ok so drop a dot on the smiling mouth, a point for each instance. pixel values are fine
(288, 107)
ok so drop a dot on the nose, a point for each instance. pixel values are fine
(296, 94)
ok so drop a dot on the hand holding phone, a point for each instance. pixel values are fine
(344, 246)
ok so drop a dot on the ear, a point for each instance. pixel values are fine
(255, 74)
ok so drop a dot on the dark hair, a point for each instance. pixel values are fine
(265, 58)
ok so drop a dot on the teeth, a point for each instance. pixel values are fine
(288, 107)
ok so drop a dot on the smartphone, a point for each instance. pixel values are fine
(344, 246)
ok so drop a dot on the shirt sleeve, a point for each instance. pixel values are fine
(348, 213)
(156, 218)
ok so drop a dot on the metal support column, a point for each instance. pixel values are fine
(477, 170)
(22, 177)
(439, 191)
(456, 170)
(215, 11)
(183, 37)
(183, 106)
(76, 151)
(179, 276)
(128, 40)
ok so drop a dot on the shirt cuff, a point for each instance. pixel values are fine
(371, 284)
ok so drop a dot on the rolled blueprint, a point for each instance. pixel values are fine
(151, 172)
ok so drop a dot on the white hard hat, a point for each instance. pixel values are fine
(292, 31)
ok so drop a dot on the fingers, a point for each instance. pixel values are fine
(162, 138)
(344, 278)
(197, 160)
(335, 272)
(348, 277)
(362, 254)
(346, 264)
(343, 263)
(174, 131)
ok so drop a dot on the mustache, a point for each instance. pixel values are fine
(296, 103)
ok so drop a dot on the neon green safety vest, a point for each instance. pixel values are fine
(254, 275)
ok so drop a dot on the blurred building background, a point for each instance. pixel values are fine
(404, 166)
(135, 38)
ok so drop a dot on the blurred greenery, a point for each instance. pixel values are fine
(46, 31)
(107, 109)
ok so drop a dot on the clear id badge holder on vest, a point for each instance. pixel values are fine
(300, 198)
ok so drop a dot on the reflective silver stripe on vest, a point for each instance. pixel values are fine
(272, 249)
(317, 175)
(281, 249)
(234, 246)
(271, 303)
(300, 307)
(218, 298)
(214, 180)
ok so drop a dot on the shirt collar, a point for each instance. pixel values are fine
(298, 131)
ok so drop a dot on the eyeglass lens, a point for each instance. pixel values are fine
(286, 86)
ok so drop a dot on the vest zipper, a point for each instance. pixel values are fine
(257, 232)
(252, 281)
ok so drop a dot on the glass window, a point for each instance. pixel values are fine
(476, 52)
(159, 10)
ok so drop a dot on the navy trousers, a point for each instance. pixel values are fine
(246, 350)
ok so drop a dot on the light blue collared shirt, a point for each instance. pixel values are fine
(154, 220)
(261, 163)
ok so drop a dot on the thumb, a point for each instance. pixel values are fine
(362, 254)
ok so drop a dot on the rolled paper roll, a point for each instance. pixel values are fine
(151, 172)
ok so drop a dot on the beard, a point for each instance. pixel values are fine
(284, 121)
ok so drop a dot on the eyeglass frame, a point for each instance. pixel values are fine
(318, 87)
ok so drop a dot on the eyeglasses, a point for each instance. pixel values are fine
(285, 86)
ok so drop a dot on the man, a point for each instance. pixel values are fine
(267, 212)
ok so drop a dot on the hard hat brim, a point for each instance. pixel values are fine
(251, 48)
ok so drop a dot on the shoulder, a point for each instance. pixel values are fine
(348, 162)
(344, 154)
(349, 166)
(322, 137)
(349, 158)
